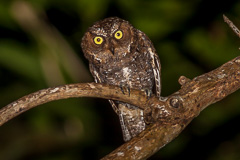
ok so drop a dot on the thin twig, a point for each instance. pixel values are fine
(231, 25)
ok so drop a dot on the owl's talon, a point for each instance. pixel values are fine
(148, 92)
(125, 88)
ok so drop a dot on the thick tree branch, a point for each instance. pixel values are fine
(173, 115)
(27, 102)
(169, 115)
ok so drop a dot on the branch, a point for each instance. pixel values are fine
(178, 110)
(32, 100)
(231, 25)
(169, 115)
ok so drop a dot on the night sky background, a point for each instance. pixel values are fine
(40, 48)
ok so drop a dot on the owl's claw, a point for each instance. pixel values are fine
(124, 88)
(148, 92)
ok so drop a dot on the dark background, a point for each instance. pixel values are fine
(39, 48)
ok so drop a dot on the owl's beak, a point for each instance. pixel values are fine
(112, 50)
(113, 45)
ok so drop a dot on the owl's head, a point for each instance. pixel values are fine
(107, 40)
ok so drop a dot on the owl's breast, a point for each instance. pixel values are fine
(136, 74)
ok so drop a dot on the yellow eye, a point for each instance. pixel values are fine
(118, 34)
(98, 40)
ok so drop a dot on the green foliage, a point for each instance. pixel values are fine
(39, 48)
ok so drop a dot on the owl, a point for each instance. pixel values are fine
(122, 55)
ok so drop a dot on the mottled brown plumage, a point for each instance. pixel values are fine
(121, 55)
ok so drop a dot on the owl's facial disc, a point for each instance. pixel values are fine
(108, 40)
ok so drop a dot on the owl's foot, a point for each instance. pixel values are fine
(148, 92)
(125, 88)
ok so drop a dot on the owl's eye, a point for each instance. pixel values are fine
(98, 40)
(118, 34)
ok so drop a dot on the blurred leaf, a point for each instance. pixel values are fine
(157, 18)
(174, 65)
(19, 59)
(92, 10)
(211, 50)
(5, 16)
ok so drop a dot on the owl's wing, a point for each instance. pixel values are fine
(156, 65)
(155, 61)
(97, 79)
